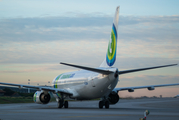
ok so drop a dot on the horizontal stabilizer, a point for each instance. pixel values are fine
(142, 69)
(106, 72)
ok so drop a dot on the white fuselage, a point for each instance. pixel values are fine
(85, 84)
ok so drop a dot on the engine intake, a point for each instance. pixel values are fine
(41, 98)
(113, 97)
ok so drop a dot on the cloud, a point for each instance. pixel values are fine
(51, 39)
(49, 52)
(129, 56)
(147, 28)
(33, 29)
(30, 68)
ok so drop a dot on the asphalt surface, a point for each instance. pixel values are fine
(125, 109)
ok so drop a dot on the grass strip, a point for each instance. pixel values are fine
(6, 100)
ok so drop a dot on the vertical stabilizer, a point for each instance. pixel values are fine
(112, 45)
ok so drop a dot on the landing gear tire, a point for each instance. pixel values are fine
(106, 104)
(100, 104)
(60, 104)
(66, 104)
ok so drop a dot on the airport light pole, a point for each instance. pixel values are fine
(48, 83)
(28, 84)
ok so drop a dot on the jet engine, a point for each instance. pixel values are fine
(41, 97)
(113, 97)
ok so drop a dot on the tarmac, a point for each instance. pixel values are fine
(125, 109)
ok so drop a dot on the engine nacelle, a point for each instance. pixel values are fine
(113, 97)
(41, 97)
(130, 90)
(151, 88)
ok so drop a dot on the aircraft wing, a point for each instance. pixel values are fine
(149, 87)
(54, 90)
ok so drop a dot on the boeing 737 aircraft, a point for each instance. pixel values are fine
(90, 83)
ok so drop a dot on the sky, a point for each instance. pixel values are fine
(36, 35)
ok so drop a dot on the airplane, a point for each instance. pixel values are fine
(90, 83)
(176, 96)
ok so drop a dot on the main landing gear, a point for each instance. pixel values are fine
(62, 103)
(104, 103)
